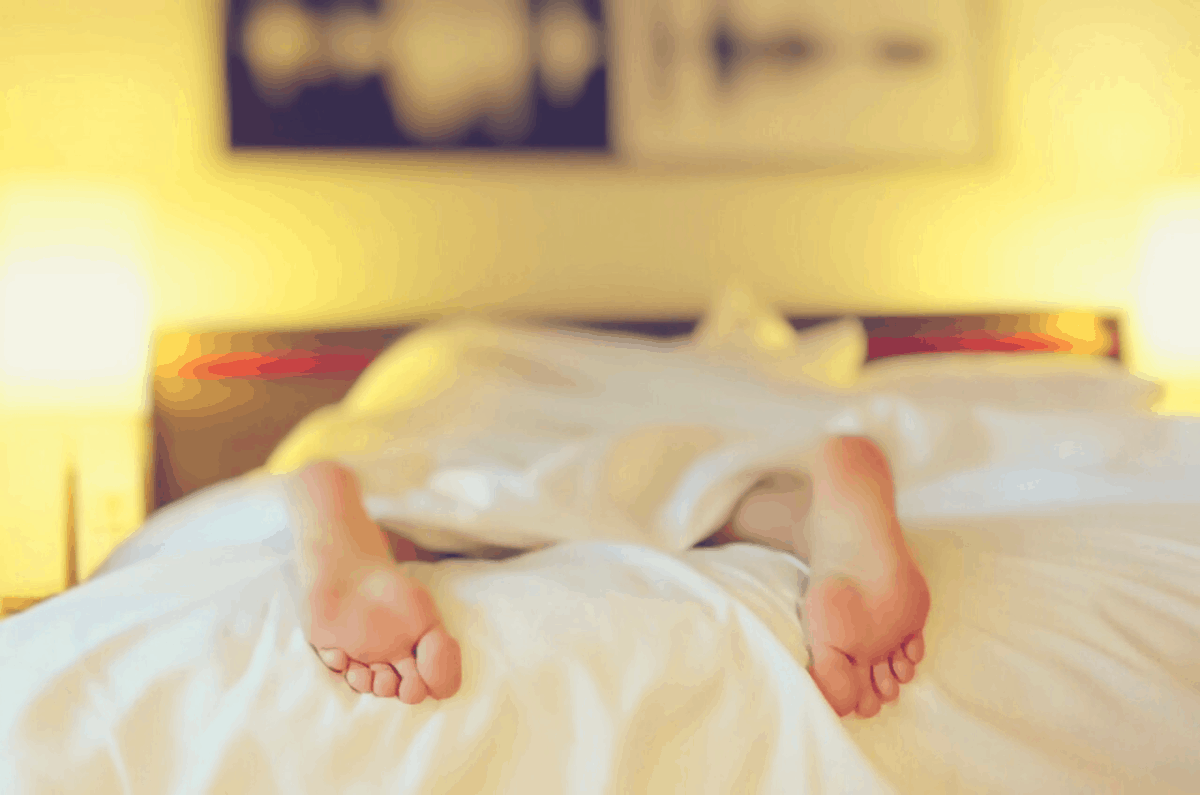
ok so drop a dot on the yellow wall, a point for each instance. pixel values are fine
(1097, 115)
(1095, 102)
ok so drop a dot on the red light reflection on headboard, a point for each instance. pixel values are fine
(341, 363)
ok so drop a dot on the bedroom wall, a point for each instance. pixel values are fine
(1095, 106)
(119, 105)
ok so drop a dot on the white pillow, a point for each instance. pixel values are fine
(741, 330)
(615, 338)
(1022, 380)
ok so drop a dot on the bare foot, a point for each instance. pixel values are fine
(867, 601)
(366, 620)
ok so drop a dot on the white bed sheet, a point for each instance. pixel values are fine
(587, 668)
(1062, 551)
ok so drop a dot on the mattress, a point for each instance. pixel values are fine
(1062, 550)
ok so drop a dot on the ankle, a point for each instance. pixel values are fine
(335, 518)
(854, 466)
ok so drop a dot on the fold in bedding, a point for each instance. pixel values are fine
(588, 668)
(1062, 646)
(1062, 653)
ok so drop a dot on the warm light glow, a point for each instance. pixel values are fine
(1169, 290)
(74, 314)
(72, 332)
(1076, 326)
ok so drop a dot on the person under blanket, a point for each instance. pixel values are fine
(865, 605)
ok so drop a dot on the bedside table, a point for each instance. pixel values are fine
(1181, 398)
(11, 605)
(40, 452)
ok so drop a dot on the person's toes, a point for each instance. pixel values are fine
(902, 667)
(868, 699)
(834, 675)
(412, 686)
(387, 681)
(359, 677)
(886, 687)
(439, 661)
(914, 649)
(335, 660)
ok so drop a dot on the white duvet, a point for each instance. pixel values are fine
(1062, 549)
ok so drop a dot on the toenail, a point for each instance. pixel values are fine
(333, 659)
(914, 649)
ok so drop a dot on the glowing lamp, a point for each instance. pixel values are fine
(73, 333)
(1170, 287)
(1168, 299)
(74, 361)
(74, 315)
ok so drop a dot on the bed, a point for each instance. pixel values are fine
(1054, 515)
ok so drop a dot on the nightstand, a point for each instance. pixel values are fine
(39, 451)
(1182, 397)
(11, 605)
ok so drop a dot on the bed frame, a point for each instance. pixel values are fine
(222, 401)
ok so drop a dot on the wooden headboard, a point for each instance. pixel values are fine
(223, 401)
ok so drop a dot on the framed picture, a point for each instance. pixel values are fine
(411, 74)
(650, 81)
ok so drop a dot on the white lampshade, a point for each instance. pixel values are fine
(1168, 295)
(74, 311)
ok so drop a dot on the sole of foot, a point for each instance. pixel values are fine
(867, 601)
(369, 622)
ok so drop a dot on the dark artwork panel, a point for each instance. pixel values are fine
(365, 74)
